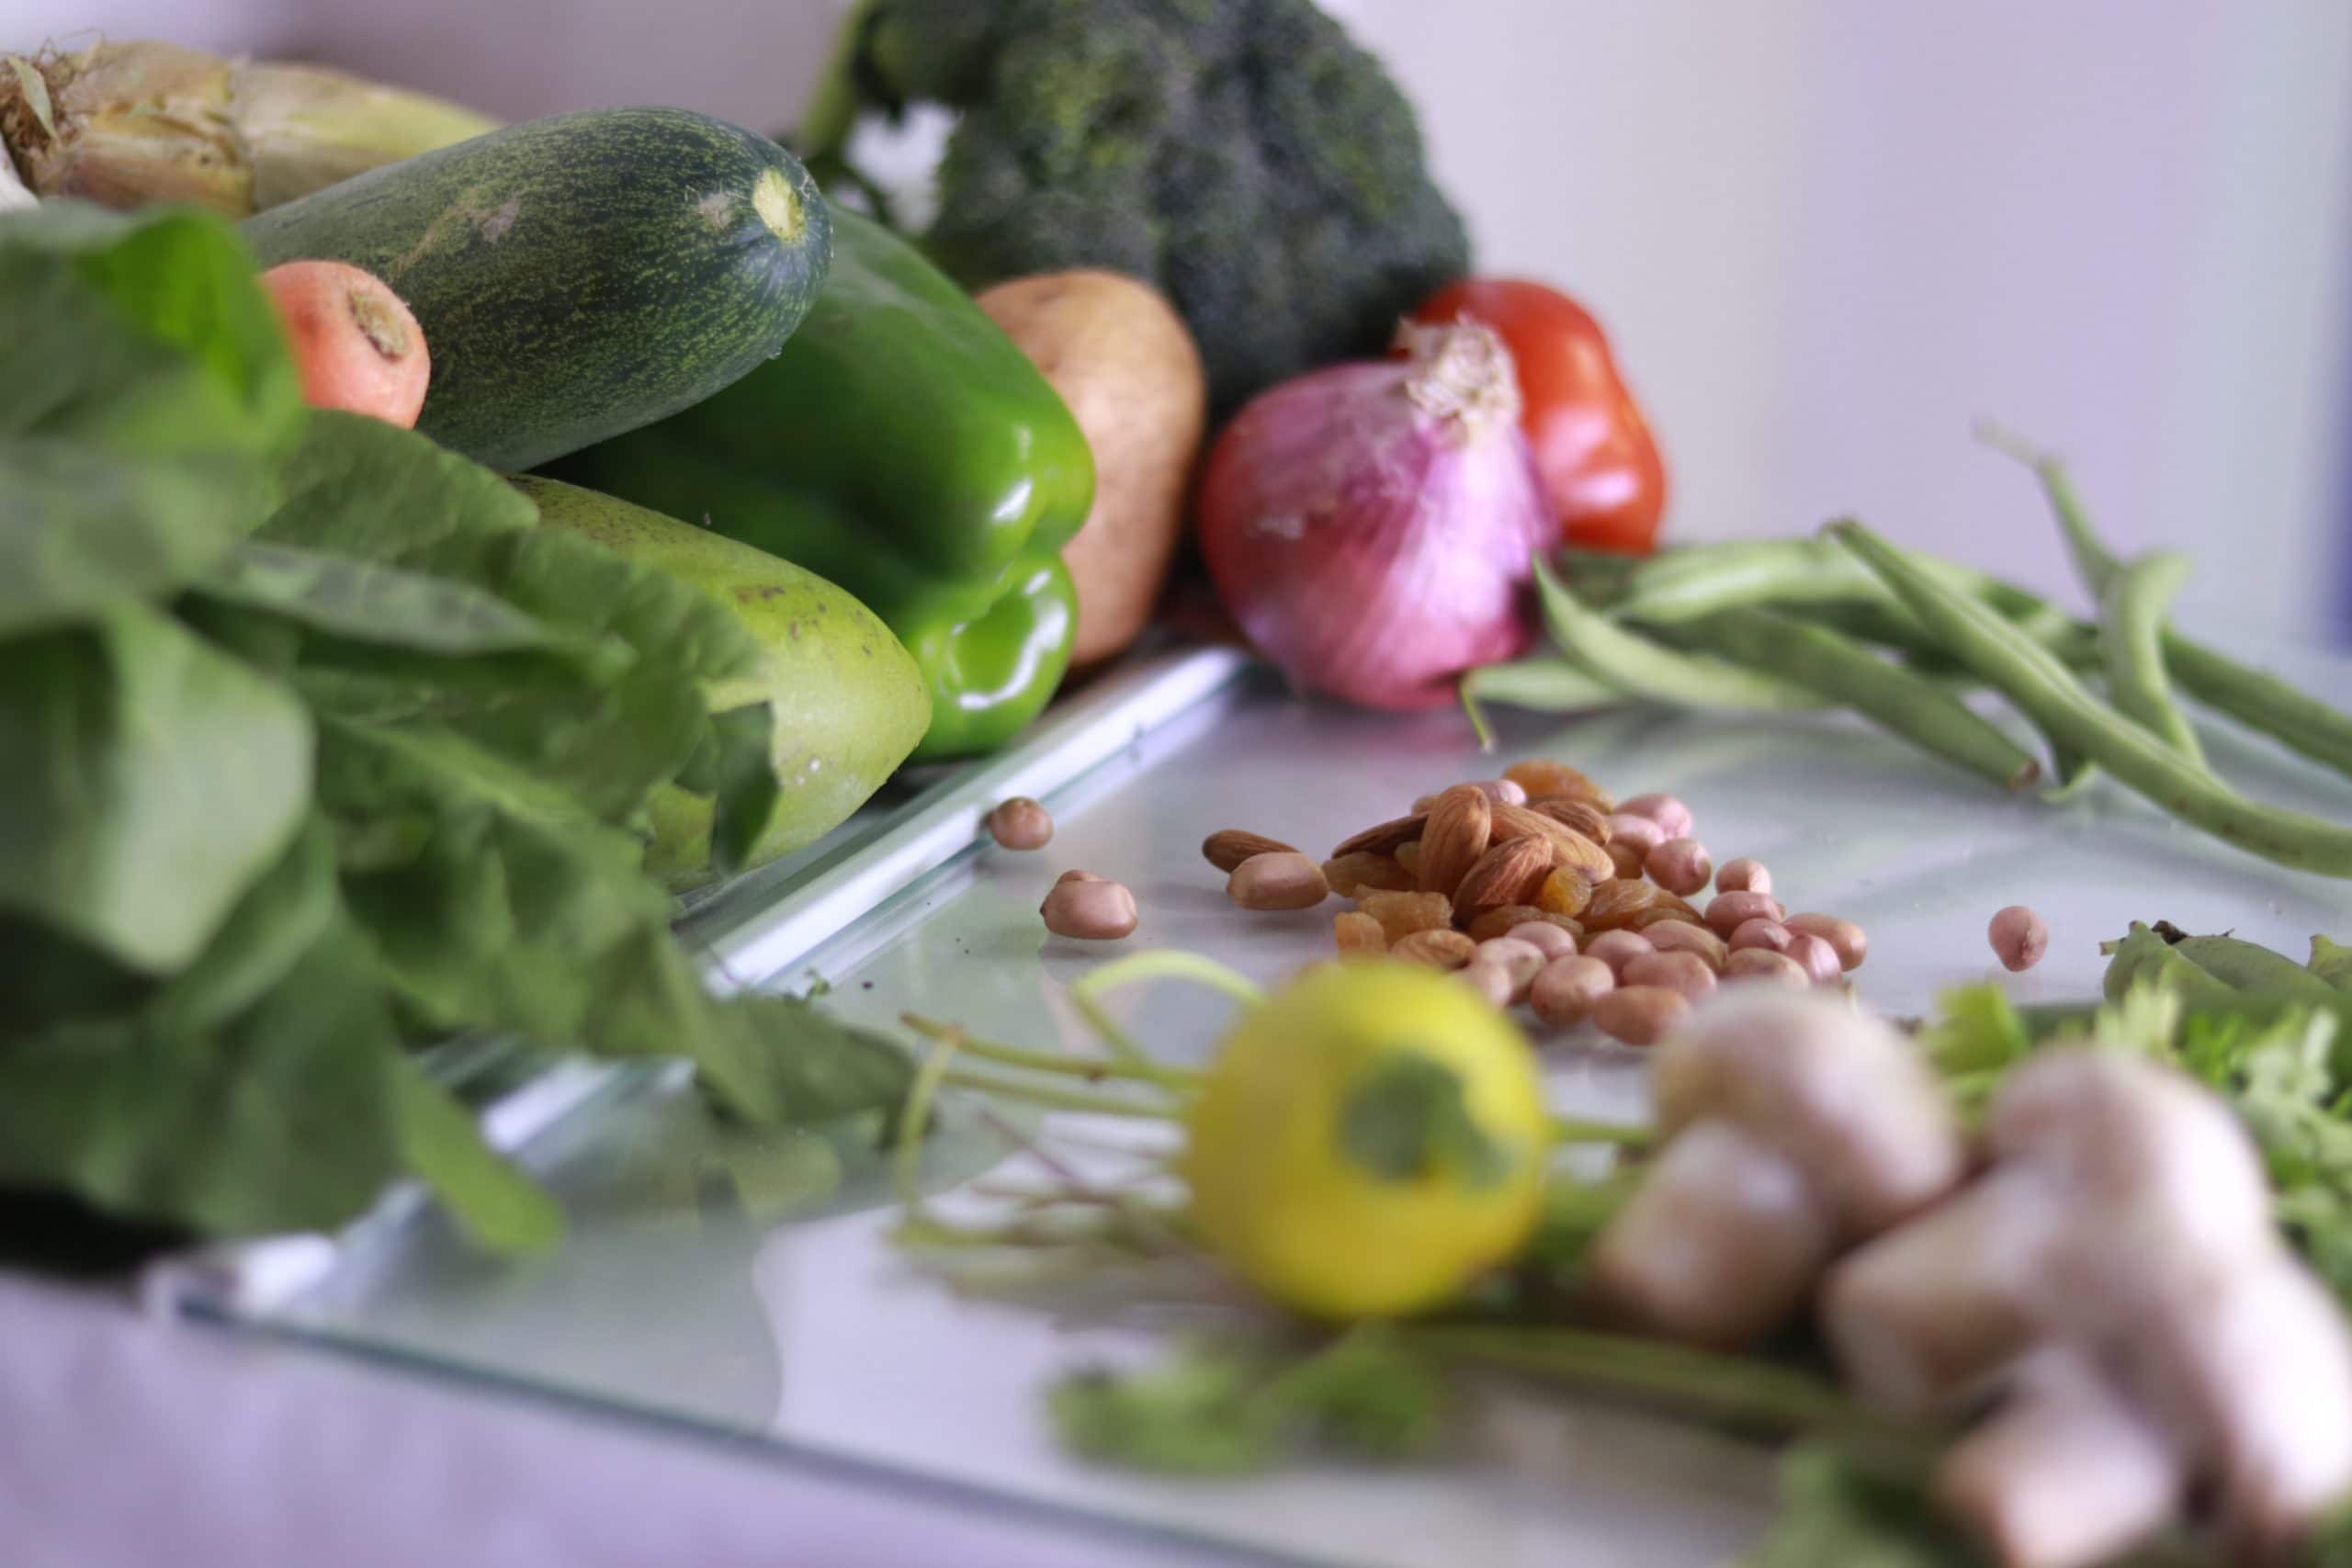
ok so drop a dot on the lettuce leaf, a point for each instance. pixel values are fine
(151, 780)
(148, 395)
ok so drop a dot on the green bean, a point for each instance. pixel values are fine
(1638, 667)
(2047, 691)
(1548, 685)
(1843, 672)
(2255, 699)
(2131, 641)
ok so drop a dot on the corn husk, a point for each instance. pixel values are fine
(129, 124)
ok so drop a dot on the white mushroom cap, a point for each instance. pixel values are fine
(1923, 1315)
(2248, 1368)
(2065, 1474)
(1718, 1245)
(1837, 1093)
(2112, 1131)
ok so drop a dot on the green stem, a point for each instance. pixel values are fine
(1053, 1098)
(1737, 1390)
(1624, 1135)
(1545, 685)
(1089, 1068)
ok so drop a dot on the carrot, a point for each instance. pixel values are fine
(356, 345)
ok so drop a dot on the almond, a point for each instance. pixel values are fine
(1383, 840)
(1569, 848)
(1457, 833)
(1510, 872)
(1577, 815)
(1226, 850)
(1439, 949)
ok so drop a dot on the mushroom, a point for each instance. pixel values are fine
(2119, 1264)
(2097, 1157)
(1796, 1127)
(2065, 1471)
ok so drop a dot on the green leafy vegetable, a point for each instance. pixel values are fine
(322, 748)
(1833, 1511)
(278, 1119)
(157, 779)
(149, 393)
(1229, 1408)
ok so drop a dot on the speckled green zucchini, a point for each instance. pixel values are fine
(579, 276)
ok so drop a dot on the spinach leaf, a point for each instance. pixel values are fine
(610, 734)
(509, 907)
(151, 780)
(145, 393)
(280, 1119)
(371, 602)
(498, 1205)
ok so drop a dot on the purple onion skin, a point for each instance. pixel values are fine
(1371, 525)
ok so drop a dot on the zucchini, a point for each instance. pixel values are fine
(579, 276)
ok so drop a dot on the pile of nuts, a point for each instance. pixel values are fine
(1540, 887)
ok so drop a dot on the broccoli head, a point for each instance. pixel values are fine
(1242, 156)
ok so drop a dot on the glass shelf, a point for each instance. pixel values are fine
(749, 1287)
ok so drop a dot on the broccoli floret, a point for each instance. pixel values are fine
(1243, 155)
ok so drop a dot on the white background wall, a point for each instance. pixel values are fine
(1827, 233)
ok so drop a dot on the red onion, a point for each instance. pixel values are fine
(1371, 525)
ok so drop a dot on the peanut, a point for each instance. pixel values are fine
(1743, 876)
(1684, 973)
(1566, 988)
(1437, 949)
(1491, 981)
(1074, 874)
(1617, 949)
(1283, 880)
(1021, 823)
(1552, 941)
(1681, 936)
(1227, 849)
(1630, 828)
(1814, 956)
(1845, 938)
(2019, 938)
(1088, 909)
(1680, 866)
(1728, 911)
(1765, 965)
(1640, 1015)
(1522, 961)
(1761, 934)
(1671, 816)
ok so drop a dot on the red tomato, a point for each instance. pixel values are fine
(1600, 465)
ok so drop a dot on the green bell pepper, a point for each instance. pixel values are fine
(903, 447)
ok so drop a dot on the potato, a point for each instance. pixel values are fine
(1123, 361)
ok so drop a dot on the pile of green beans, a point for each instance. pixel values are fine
(1848, 619)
